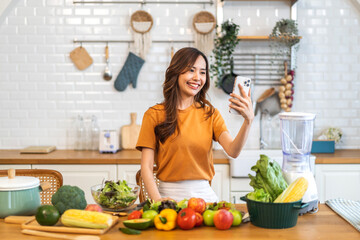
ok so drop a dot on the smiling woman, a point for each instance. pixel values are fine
(177, 134)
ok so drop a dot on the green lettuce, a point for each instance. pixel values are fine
(259, 195)
(268, 177)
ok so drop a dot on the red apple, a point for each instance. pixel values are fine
(198, 204)
(93, 208)
(223, 219)
(199, 220)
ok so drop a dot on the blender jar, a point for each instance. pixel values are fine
(296, 140)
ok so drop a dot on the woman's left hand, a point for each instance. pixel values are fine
(242, 104)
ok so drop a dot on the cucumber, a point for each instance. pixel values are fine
(129, 231)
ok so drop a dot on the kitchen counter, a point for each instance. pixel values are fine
(341, 156)
(84, 157)
(325, 224)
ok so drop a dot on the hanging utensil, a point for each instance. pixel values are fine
(107, 73)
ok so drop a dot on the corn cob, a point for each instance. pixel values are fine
(294, 192)
(86, 219)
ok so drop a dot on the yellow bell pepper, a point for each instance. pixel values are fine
(166, 220)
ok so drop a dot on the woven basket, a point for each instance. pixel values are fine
(204, 22)
(141, 21)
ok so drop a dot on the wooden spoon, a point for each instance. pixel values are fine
(266, 94)
(59, 235)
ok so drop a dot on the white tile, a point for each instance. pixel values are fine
(328, 56)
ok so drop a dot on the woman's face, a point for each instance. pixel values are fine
(192, 81)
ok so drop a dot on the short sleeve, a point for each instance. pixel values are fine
(218, 125)
(147, 136)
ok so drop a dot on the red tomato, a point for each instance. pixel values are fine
(199, 220)
(186, 219)
(134, 215)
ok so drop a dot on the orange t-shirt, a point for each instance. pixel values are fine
(187, 155)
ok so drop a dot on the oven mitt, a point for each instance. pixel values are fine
(129, 72)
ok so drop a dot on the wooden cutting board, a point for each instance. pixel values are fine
(130, 133)
(38, 149)
(59, 227)
(18, 219)
(81, 58)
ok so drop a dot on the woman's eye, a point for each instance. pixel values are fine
(203, 73)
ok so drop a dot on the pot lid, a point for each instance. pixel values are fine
(297, 116)
(18, 183)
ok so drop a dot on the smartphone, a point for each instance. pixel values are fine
(245, 82)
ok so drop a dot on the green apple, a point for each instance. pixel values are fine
(237, 217)
(150, 214)
(208, 216)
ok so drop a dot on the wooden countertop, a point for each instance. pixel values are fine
(341, 156)
(84, 157)
(325, 224)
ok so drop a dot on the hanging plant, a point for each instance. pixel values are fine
(222, 60)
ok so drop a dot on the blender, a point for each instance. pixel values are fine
(296, 130)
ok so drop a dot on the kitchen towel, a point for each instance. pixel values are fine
(129, 72)
(347, 209)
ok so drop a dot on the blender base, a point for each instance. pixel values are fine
(312, 208)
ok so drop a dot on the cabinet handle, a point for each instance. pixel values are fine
(234, 199)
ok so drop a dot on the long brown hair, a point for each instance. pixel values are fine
(182, 61)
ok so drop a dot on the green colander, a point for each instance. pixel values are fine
(273, 215)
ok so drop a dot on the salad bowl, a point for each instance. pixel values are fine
(115, 196)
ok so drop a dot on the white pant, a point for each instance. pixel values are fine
(187, 189)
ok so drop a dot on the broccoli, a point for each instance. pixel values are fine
(69, 197)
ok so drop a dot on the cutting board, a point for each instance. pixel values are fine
(18, 219)
(38, 149)
(81, 58)
(59, 227)
(130, 133)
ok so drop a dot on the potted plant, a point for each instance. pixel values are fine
(285, 31)
(222, 60)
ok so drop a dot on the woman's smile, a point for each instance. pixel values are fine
(193, 85)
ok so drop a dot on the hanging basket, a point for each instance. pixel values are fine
(141, 21)
(204, 22)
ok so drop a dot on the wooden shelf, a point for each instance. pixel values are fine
(256, 37)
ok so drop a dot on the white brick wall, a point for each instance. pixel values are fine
(41, 91)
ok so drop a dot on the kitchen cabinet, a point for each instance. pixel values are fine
(221, 182)
(338, 181)
(127, 172)
(239, 187)
(82, 175)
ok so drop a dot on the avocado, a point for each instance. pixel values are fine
(139, 224)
